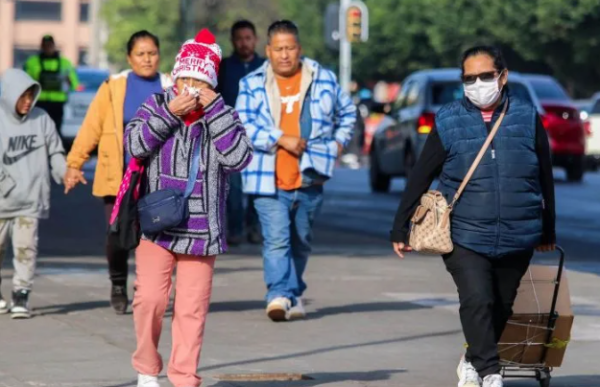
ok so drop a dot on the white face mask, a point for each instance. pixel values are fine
(483, 94)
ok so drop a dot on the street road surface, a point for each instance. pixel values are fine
(373, 320)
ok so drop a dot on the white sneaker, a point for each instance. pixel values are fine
(297, 312)
(494, 380)
(147, 381)
(4, 308)
(279, 308)
(467, 374)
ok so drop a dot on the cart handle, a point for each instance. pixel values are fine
(552, 316)
(561, 265)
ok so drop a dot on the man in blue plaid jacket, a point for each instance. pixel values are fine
(299, 121)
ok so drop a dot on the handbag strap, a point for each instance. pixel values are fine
(480, 155)
(193, 170)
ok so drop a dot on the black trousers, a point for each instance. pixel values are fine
(117, 258)
(487, 288)
(55, 110)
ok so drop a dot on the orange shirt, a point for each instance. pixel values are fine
(287, 167)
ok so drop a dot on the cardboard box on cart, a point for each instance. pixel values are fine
(526, 334)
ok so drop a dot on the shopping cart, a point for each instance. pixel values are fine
(540, 371)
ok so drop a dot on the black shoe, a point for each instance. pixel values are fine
(234, 240)
(20, 305)
(255, 237)
(118, 299)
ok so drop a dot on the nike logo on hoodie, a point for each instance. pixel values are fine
(22, 146)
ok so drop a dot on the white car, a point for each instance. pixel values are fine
(90, 80)
(592, 126)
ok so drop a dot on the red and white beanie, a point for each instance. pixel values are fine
(199, 59)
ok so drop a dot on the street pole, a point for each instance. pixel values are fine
(95, 41)
(345, 49)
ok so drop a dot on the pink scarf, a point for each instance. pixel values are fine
(134, 165)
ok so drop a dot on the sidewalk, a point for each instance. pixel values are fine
(374, 321)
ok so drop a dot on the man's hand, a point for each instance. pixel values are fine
(400, 248)
(294, 145)
(207, 96)
(546, 248)
(340, 149)
(72, 178)
(183, 104)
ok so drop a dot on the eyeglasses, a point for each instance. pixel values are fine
(489, 76)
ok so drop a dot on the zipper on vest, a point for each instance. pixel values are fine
(497, 204)
(493, 154)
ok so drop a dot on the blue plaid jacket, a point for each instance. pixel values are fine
(332, 113)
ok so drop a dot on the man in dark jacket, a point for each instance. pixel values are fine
(243, 61)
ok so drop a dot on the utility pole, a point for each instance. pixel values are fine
(95, 41)
(99, 35)
(345, 49)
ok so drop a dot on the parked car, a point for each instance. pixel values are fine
(563, 123)
(584, 106)
(592, 145)
(399, 139)
(90, 80)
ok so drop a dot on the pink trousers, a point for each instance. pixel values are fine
(154, 269)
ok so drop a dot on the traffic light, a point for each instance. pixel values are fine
(354, 24)
(332, 26)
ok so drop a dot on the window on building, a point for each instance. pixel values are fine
(20, 56)
(38, 10)
(83, 59)
(84, 12)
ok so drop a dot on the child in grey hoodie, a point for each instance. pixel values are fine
(29, 146)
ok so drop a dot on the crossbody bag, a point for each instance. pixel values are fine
(168, 208)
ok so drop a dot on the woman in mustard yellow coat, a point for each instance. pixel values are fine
(114, 105)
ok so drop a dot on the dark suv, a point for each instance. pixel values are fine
(398, 141)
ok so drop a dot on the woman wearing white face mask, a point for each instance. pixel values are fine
(505, 212)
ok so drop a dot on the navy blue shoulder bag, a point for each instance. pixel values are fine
(167, 208)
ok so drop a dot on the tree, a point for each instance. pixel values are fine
(560, 34)
(125, 17)
(308, 16)
(557, 37)
(220, 15)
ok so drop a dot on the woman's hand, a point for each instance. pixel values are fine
(207, 96)
(401, 248)
(183, 104)
(72, 178)
(546, 248)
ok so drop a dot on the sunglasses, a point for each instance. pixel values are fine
(489, 76)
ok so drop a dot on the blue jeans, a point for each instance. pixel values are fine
(286, 220)
(236, 215)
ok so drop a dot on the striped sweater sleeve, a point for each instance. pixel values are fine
(234, 148)
(151, 127)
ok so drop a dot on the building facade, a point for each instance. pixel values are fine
(23, 23)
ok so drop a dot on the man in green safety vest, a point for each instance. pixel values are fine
(57, 77)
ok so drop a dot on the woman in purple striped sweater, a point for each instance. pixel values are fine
(164, 133)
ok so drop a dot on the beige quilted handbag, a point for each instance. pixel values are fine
(430, 230)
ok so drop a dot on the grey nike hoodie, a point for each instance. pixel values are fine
(30, 151)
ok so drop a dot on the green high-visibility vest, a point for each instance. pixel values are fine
(57, 77)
